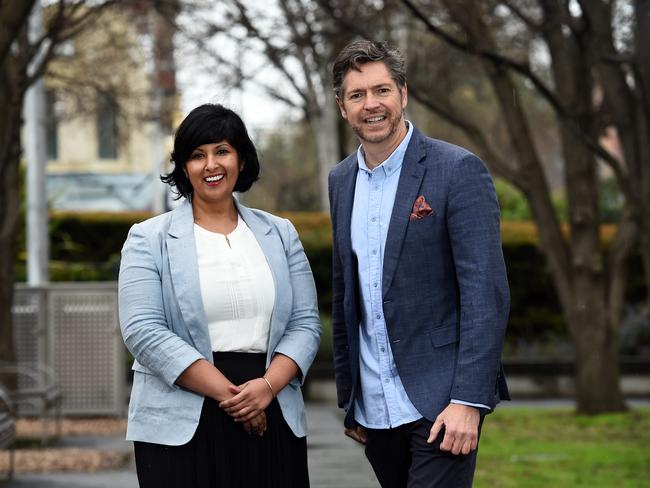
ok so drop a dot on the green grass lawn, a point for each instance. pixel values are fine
(526, 448)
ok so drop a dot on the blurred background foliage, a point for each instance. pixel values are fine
(85, 247)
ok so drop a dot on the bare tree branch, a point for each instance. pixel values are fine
(494, 57)
(64, 25)
(499, 62)
(496, 162)
(219, 58)
(272, 52)
(295, 18)
(292, 22)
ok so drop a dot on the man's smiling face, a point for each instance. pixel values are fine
(372, 103)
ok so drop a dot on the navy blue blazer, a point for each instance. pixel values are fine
(444, 283)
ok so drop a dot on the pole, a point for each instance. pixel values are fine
(35, 137)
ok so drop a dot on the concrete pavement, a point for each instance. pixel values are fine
(334, 460)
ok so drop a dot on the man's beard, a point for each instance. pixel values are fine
(374, 138)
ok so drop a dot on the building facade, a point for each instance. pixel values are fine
(111, 103)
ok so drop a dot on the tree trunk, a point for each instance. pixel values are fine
(13, 85)
(591, 321)
(644, 184)
(643, 138)
(596, 358)
(10, 123)
(645, 255)
(593, 326)
(325, 131)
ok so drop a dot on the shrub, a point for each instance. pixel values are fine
(512, 202)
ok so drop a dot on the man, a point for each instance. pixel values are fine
(420, 294)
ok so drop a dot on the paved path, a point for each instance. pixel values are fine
(334, 460)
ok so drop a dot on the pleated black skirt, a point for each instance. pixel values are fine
(221, 454)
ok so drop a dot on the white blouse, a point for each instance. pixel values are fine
(236, 287)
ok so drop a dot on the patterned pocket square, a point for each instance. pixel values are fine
(420, 209)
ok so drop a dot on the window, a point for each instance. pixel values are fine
(107, 112)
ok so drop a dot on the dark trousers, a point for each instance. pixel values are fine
(401, 458)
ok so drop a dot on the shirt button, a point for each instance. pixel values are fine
(374, 219)
(383, 349)
(374, 284)
(376, 188)
(386, 380)
(374, 251)
(378, 316)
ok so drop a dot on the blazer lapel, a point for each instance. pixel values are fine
(346, 200)
(273, 249)
(408, 186)
(183, 265)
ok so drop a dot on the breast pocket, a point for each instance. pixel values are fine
(424, 218)
(426, 229)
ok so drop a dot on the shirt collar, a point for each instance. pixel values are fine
(393, 162)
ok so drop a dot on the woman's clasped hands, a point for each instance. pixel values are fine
(248, 404)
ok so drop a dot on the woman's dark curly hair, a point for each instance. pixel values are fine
(209, 124)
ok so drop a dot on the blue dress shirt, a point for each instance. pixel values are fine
(383, 402)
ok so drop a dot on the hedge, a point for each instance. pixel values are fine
(86, 246)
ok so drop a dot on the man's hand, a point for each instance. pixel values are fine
(357, 433)
(249, 401)
(461, 428)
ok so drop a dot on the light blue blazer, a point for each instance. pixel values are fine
(164, 325)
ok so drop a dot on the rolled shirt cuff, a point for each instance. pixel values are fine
(470, 404)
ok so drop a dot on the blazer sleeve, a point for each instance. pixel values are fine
(474, 233)
(302, 335)
(143, 321)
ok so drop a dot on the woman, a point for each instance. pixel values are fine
(218, 307)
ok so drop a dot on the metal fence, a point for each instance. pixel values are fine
(73, 328)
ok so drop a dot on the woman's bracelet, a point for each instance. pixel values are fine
(270, 387)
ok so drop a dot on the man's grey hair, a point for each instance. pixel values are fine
(358, 53)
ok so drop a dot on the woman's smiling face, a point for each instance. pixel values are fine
(213, 170)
